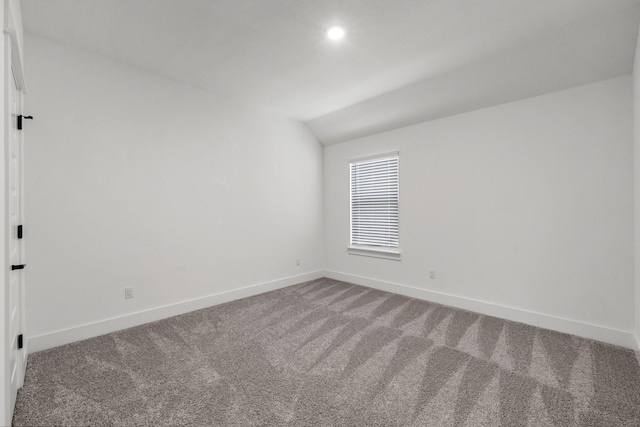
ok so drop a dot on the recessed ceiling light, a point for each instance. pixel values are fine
(336, 32)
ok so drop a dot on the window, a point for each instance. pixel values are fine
(374, 206)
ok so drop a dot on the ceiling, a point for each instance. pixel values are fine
(403, 61)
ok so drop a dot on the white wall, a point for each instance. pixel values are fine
(636, 188)
(136, 180)
(524, 210)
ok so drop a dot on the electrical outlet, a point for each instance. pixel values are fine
(298, 261)
(432, 274)
(128, 293)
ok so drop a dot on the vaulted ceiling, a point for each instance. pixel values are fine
(402, 62)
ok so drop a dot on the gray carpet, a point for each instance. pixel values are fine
(327, 353)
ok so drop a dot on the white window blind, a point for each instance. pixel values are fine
(374, 203)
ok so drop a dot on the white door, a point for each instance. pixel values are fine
(16, 354)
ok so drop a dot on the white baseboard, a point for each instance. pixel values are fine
(581, 329)
(82, 332)
(600, 333)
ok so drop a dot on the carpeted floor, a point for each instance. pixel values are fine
(330, 353)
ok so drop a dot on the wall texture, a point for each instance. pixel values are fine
(136, 180)
(523, 208)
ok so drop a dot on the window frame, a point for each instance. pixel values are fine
(391, 252)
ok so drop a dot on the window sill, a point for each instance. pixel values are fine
(374, 253)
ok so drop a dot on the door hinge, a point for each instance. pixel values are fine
(20, 118)
(19, 233)
(19, 341)
(18, 267)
